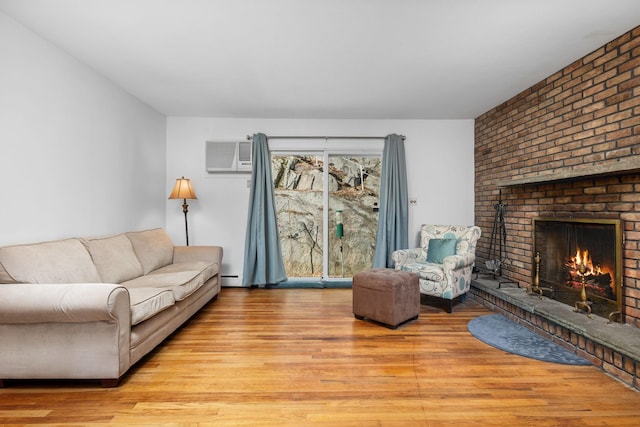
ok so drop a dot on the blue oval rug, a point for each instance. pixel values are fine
(500, 332)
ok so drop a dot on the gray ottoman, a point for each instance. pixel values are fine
(387, 296)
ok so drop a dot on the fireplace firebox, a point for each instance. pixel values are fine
(579, 262)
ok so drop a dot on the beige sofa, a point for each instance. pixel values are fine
(90, 308)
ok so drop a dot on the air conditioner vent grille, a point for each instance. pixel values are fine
(228, 156)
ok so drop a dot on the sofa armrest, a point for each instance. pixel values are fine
(64, 303)
(405, 256)
(455, 262)
(79, 330)
(209, 254)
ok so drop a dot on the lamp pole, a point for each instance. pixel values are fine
(185, 209)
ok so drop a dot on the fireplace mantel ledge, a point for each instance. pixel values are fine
(623, 166)
(625, 339)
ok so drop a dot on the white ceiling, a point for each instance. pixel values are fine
(359, 59)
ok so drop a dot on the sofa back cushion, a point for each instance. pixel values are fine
(114, 258)
(61, 261)
(153, 248)
(5, 277)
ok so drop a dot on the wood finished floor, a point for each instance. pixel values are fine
(298, 357)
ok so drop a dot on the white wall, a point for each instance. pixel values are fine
(439, 162)
(78, 155)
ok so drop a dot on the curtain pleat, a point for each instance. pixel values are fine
(263, 264)
(393, 218)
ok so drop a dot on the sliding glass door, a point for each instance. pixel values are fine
(327, 212)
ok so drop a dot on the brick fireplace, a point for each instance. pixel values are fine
(568, 147)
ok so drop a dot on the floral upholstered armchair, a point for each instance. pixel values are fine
(443, 262)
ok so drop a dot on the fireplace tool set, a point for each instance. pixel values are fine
(493, 264)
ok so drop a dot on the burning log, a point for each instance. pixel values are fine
(603, 283)
(598, 280)
(599, 284)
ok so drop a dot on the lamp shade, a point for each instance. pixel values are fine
(183, 189)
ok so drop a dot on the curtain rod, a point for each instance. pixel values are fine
(249, 137)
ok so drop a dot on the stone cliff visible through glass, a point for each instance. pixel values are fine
(354, 186)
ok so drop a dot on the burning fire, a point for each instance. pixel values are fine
(581, 265)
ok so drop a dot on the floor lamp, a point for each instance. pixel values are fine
(183, 190)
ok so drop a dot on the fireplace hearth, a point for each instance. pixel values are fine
(579, 262)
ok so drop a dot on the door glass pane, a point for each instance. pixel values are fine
(353, 191)
(298, 183)
(354, 194)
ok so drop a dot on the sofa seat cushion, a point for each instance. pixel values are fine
(208, 270)
(181, 283)
(146, 302)
(114, 258)
(425, 270)
(61, 261)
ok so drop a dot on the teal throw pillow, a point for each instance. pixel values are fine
(439, 249)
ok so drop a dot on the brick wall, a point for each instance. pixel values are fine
(586, 114)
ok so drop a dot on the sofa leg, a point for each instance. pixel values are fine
(110, 382)
(450, 307)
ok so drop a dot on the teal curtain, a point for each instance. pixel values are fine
(263, 263)
(393, 218)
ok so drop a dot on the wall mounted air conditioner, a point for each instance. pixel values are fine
(228, 156)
